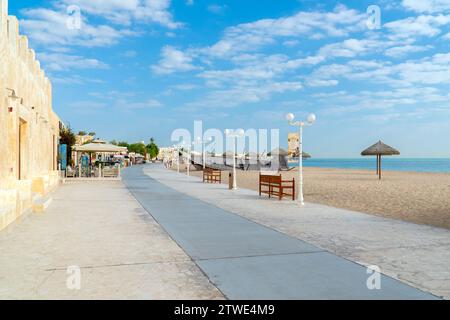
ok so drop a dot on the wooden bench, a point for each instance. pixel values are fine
(212, 175)
(274, 185)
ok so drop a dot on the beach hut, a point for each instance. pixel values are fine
(380, 149)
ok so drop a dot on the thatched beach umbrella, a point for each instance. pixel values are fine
(278, 151)
(380, 149)
(306, 155)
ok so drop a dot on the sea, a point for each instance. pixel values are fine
(391, 164)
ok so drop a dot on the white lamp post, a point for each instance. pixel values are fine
(234, 134)
(300, 124)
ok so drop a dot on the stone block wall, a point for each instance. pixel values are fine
(29, 129)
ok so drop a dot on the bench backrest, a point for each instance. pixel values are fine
(270, 178)
(212, 171)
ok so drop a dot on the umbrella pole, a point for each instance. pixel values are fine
(377, 164)
(379, 170)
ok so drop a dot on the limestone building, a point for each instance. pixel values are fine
(293, 144)
(29, 129)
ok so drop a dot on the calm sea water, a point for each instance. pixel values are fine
(393, 164)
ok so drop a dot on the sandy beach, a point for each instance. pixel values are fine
(422, 198)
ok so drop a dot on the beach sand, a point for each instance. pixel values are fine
(422, 198)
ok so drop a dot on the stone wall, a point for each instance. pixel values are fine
(29, 129)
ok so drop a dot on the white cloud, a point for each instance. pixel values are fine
(126, 12)
(351, 48)
(173, 60)
(127, 105)
(401, 51)
(252, 36)
(433, 70)
(424, 25)
(429, 6)
(244, 93)
(65, 62)
(73, 79)
(322, 83)
(120, 104)
(48, 28)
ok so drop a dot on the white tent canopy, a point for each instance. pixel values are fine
(100, 147)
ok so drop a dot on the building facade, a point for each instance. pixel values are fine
(293, 145)
(29, 129)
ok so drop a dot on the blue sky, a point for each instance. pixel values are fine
(142, 68)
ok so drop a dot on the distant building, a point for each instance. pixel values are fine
(29, 129)
(165, 153)
(293, 145)
(80, 140)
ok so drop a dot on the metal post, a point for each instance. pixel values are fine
(234, 165)
(204, 156)
(300, 168)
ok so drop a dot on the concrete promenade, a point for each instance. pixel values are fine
(246, 259)
(178, 238)
(99, 227)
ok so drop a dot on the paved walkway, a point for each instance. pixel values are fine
(98, 226)
(245, 259)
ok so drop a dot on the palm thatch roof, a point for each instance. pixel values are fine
(306, 155)
(278, 151)
(380, 148)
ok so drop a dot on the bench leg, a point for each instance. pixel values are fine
(293, 190)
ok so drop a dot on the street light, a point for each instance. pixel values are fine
(310, 120)
(234, 134)
(199, 140)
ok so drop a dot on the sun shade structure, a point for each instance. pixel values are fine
(306, 155)
(100, 147)
(380, 149)
(282, 152)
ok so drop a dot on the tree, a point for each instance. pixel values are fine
(123, 144)
(81, 133)
(137, 148)
(152, 149)
(67, 137)
(92, 134)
